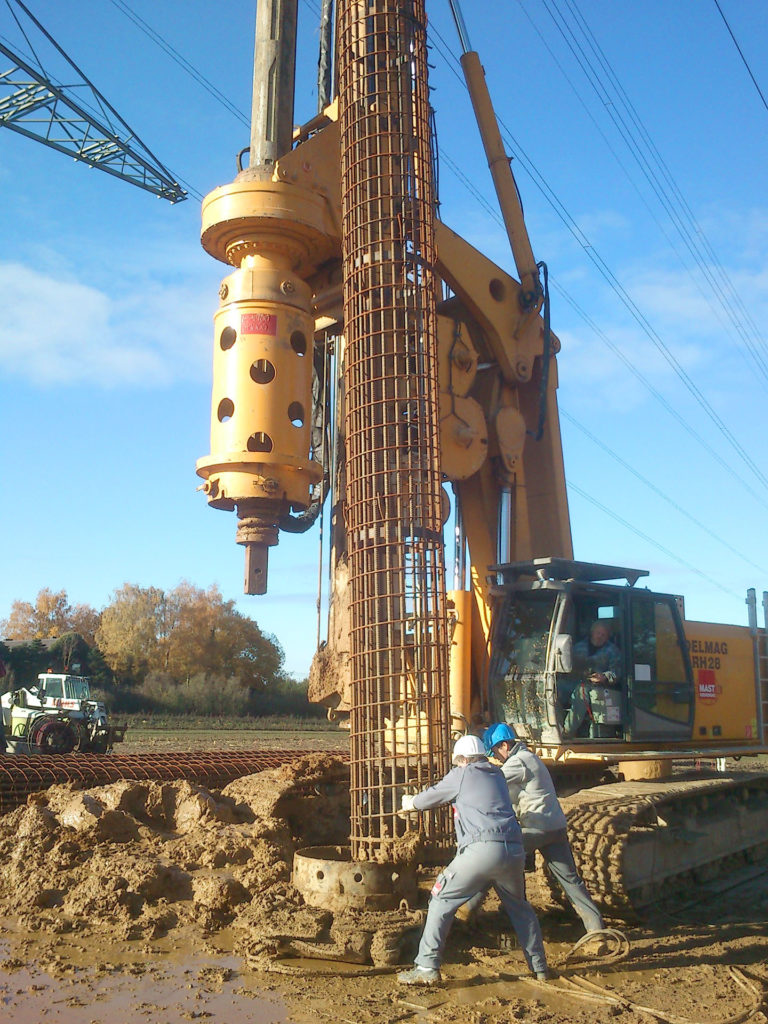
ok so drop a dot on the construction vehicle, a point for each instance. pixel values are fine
(315, 340)
(57, 716)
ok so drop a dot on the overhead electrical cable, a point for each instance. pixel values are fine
(720, 309)
(741, 54)
(723, 463)
(625, 298)
(625, 118)
(183, 63)
(670, 554)
(654, 392)
(657, 490)
(673, 412)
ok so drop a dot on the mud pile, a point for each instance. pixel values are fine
(136, 860)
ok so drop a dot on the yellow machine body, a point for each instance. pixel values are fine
(723, 664)
(275, 232)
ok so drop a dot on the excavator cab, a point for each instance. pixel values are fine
(580, 658)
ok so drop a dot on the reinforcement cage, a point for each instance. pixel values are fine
(399, 713)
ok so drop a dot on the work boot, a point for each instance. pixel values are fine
(419, 976)
(545, 975)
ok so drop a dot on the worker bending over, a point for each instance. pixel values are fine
(543, 823)
(490, 852)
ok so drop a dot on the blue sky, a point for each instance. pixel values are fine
(106, 298)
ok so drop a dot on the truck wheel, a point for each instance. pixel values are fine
(53, 737)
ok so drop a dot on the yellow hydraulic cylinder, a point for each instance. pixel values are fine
(460, 675)
(261, 408)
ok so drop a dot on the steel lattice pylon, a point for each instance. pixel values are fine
(399, 714)
(33, 104)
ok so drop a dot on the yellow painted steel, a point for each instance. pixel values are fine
(722, 659)
(272, 232)
(460, 675)
(504, 182)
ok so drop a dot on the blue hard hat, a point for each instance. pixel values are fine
(497, 733)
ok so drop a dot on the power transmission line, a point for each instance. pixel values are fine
(623, 114)
(183, 63)
(650, 540)
(620, 291)
(657, 490)
(744, 59)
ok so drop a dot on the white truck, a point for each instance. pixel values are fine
(57, 716)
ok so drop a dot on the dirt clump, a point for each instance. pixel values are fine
(137, 859)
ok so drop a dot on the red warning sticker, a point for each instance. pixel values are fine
(258, 323)
(708, 690)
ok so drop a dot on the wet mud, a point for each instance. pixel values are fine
(167, 902)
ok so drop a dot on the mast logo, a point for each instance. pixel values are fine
(706, 686)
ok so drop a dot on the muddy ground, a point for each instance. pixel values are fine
(168, 903)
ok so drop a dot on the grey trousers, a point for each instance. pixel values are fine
(556, 851)
(472, 871)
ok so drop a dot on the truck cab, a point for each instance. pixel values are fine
(580, 655)
(60, 690)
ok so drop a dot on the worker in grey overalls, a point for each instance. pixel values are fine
(541, 818)
(490, 852)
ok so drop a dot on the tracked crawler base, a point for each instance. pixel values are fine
(637, 843)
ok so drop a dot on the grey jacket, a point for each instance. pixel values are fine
(532, 791)
(481, 805)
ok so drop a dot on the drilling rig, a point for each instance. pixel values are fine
(365, 351)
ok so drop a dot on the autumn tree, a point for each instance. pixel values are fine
(130, 632)
(84, 620)
(211, 636)
(183, 633)
(50, 616)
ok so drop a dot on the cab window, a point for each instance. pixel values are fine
(661, 685)
(78, 688)
(53, 687)
(519, 662)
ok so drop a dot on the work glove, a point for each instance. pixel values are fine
(406, 804)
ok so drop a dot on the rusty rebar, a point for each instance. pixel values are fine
(398, 637)
(20, 776)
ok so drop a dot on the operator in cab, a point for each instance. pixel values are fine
(542, 820)
(597, 668)
(598, 655)
(490, 852)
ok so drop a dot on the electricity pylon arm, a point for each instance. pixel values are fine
(35, 106)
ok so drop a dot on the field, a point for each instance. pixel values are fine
(148, 735)
(702, 961)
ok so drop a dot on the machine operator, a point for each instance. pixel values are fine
(599, 655)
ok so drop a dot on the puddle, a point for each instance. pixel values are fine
(70, 982)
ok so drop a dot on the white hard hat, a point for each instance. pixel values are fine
(468, 746)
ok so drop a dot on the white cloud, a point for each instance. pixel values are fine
(58, 330)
